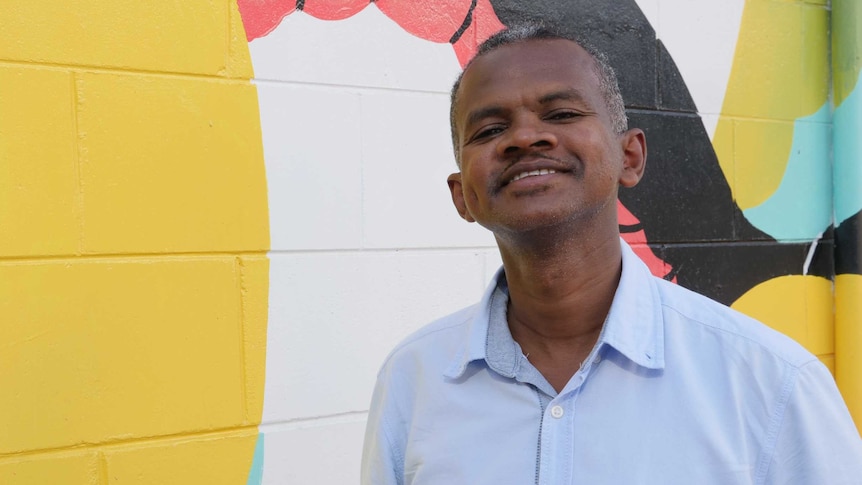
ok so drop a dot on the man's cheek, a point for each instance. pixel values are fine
(471, 202)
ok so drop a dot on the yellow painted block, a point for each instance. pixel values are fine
(171, 165)
(848, 342)
(815, 51)
(829, 362)
(254, 272)
(239, 58)
(820, 3)
(798, 306)
(101, 350)
(51, 468)
(846, 48)
(222, 459)
(189, 37)
(723, 144)
(780, 70)
(761, 152)
(38, 174)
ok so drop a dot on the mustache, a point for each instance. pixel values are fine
(571, 165)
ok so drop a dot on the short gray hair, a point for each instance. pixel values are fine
(527, 31)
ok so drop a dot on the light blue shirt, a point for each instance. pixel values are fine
(679, 389)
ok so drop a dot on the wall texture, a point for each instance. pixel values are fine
(217, 217)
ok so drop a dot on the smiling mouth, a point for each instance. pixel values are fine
(532, 173)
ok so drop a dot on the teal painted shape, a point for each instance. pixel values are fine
(801, 207)
(255, 475)
(847, 150)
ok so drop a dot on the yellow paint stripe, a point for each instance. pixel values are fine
(171, 164)
(38, 176)
(848, 342)
(798, 306)
(780, 72)
(102, 350)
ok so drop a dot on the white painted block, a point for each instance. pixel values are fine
(311, 141)
(407, 155)
(368, 49)
(333, 318)
(710, 123)
(493, 261)
(701, 38)
(323, 454)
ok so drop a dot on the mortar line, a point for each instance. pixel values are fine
(313, 421)
(120, 442)
(238, 266)
(103, 468)
(361, 176)
(227, 40)
(358, 87)
(78, 161)
(81, 68)
(125, 256)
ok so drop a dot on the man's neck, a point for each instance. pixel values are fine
(559, 299)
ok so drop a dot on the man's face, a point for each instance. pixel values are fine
(535, 141)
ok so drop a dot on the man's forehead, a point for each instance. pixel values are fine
(530, 52)
(557, 61)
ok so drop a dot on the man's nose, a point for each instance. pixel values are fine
(527, 133)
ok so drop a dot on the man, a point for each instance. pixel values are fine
(578, 366)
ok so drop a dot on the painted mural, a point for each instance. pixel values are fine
(214, 226)
(847, 167)
(736, 204)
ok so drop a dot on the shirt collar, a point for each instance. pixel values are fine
(477, 332)
(634, 326)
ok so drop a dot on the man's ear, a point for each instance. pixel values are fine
(455, 188)
(634, 157)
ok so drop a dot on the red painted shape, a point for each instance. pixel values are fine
(434, 20)
(625, 217)
(656, 266)
(637, 240)
(334, 9)
(485, 24)
(260, 17)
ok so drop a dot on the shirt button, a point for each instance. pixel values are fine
(557, 412)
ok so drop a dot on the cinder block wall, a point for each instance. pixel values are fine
(217, 218)
(133, 231)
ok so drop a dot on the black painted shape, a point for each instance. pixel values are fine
(746, 231)
(673, 94)
(848, 245)
(683, 196)
(300, 4)
(823, 262)
(468, 19)
(724, 272)
(684, 203)
(618, 28)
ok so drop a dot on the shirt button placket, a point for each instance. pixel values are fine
(557, 411)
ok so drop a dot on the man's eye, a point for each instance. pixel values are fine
(563, 115)
(488, 132)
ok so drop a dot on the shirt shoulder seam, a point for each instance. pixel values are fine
(775, 425)
(398, 454)
(792, 364)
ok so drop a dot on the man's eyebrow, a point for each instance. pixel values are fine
(570, 94)
(482, 113)
(562, 95)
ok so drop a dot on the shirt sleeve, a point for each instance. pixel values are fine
(379, 457)
(817, 441)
